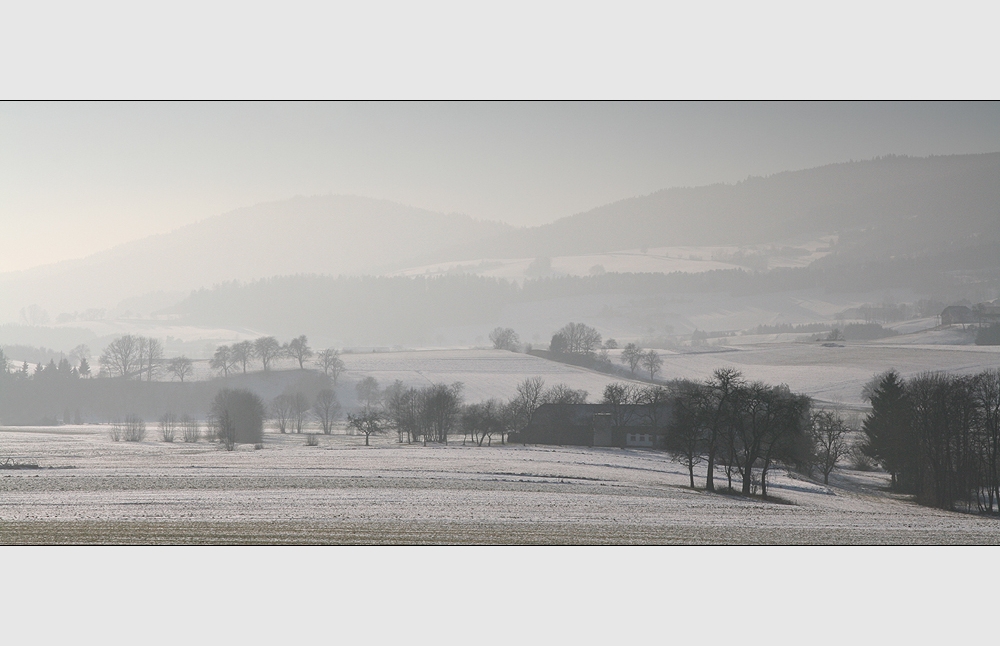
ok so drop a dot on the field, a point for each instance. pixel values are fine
(830, 374)
(89, 489)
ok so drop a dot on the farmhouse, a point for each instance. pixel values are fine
(597, 425)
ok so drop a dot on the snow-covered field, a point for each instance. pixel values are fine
(90, 489)
(484, 373)
(834, 374)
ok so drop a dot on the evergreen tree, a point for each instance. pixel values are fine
(887, 429)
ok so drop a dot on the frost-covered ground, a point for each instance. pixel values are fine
(834, 374)
(484, 373)
(93, 490)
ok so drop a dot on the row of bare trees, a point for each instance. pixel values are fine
(938, 436)
(267, 350)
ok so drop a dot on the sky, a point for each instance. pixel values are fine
(76, 178)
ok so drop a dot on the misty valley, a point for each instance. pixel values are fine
(808, 357)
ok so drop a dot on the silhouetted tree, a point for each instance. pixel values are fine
(223, 360)
(327, 408)
(299, 349)
(180, 367)
(829, 435)
(267, 349)
(238, 416)
(651, 361)
(368, 392)
(369, 421)
(505, 338)
(242, 353)
(632, 356)
(122, 357)
(332, 364)
(281, 410)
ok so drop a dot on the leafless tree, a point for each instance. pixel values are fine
(332, 364)
(327, 409)
(580, 338)
(299, 349)
(651, 361)
(829, 434)
(632, 356)
(281, 411)
(180, 367)
(368, 392)
(620, 399)
(121, 357)
(528, 398)
(563, 394)
(223, 360)
(150, 357)
(505, 338)
(242, 354)
(238, 416)
(370, 421)
(300, 411)
(267, 349)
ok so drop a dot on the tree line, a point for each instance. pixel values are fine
(938, 436)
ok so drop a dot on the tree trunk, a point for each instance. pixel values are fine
(691, 472)
(366, 439)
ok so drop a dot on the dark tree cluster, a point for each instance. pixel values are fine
(938, 436)
(745, 428)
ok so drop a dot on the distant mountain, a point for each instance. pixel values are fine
(324, 235)
(882, 207)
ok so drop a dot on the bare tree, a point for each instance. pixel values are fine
(281, 411)
(829, 434)
(242, 354)
(121, 357)
(180, 367)
(621, 398)
(528, 398)
(150, 357)
(632, 356)
(651, 361)
(505, 338)
(299, 349)
(563, 394)
(327, 409)
(300, 411)
(238, 416)
(579, 338)
(223, 360)
(332, 364)
(368, 392)
(370, 421)
(267, 349)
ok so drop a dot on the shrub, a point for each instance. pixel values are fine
(312, 440)
(191, 429)
(168, 427)
(134, 428)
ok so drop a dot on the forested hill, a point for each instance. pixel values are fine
(389, 310)
(881, 207)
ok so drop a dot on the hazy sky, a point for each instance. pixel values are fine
(80, 177)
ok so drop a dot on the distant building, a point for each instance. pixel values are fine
(956, 314)
(597, 425)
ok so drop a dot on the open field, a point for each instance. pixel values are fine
(831, 374)
(91, 490)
